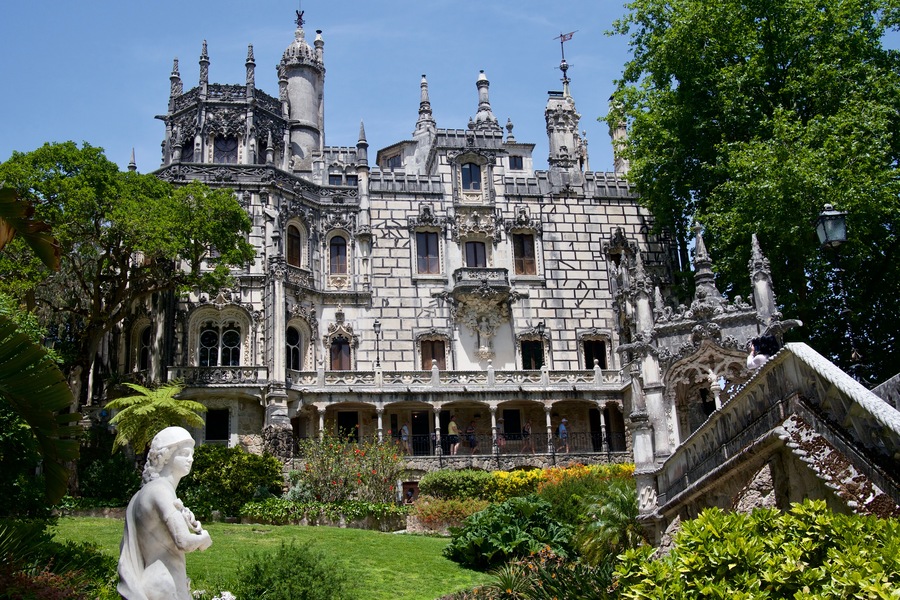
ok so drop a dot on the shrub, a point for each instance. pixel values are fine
(504, 485)
(110, 481)
(464, 484)
(438, 513)
(807, 552)
(292, 573)
(508, 530)
(225, 479)
(338, 469)
(280, 511)
(570, 490)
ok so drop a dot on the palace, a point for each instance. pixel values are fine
(445, 276)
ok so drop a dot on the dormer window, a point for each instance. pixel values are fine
(471, 176)
(392, 162)
(516, 163)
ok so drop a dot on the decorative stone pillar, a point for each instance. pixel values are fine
(379, 412)
(604, 426)
(321, 412)
(438, 450)
(547, 409)
(495, 446)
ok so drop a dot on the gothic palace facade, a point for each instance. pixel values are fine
(441, 275)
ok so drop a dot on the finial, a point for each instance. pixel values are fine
(204, 67)
(426, 119)
(299, 20)
(563, 65)
(362, 131)
(176, 88)
(132, 166)
(250, 53)
(203, 53)
(251, 67)
(484, 118)
(175, 67)
(509, 134)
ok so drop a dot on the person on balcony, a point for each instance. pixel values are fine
(404, 438)
(471, 437)
(564, 435)
(527, 442)
(453, 435)
(501, 436)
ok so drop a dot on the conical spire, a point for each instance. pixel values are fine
(176, 87)
(704, 279)
(761, 282)
(426, 119)
(484, 118)
(251, 67)
(362, 146)
(132, 165)
(204, 65)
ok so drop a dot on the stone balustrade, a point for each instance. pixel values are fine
(211, 376)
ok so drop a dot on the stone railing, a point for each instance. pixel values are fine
(471, 380)
(201, 376)
(798, 380)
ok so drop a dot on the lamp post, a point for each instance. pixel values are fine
(376, 326)
(831, 228)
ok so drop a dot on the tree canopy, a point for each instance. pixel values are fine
(749, 117)
(123, 237)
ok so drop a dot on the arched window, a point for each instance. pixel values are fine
(294, 354)
(340, 354)
(220, 346)
(471, 176)
(225, 150)
(294, 246)
(144, 349)
(338, 262)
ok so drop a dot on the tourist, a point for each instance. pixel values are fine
(527, 442)
(564, 434)
(453, 435)
(761, 349)
(471, 437)
(159, 530)
(404, 438)
(501, 436)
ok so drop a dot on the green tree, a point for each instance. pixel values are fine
(750, 117)
(123, 238)
(148, 412)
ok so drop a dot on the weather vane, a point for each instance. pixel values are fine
(300, 12)
(563, 38)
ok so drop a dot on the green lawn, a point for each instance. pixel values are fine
(381, 565)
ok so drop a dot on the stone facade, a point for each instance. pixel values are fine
(447, 276)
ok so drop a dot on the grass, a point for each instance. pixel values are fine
(380, 565)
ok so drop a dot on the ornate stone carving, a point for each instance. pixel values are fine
(226, 121)
(523, 220)
(475, 221)
(426, 218)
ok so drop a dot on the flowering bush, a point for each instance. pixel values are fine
(504, 485)
(439, 513)
(339, 469)
(570, 490)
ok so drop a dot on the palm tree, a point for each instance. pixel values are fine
(15, 218)
(35, 388)
(612, 527)
(150, 411)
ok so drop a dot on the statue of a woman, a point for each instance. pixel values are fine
(158, 527)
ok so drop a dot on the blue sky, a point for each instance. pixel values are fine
(97, 70)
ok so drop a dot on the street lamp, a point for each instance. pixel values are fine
(831, 227)
(377, 327)
(541, 327)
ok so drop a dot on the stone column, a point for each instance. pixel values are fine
(604, 426)
(495, 446)
(321, 413)
(547, 410)
(437, 431)
(379, 412)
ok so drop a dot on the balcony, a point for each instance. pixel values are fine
(481, 284)
(220, 376)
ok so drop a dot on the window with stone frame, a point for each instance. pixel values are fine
(476, 254)
(532, 354)
(516, 163)
(352, 180)
(471, 176)
(187, 151)
(294, 246)
(428, 254)
(220, 346)
(339, 353)
(293, 339)
(337, 255)
(393, 162)
(594, 349)
(433, 351)
(225, 150)
(335, 179)
(143, 350)
(524, 261)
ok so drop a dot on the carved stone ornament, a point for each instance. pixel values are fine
(482, 317)
(341, 329)
(523, 220)
(307, 314)
(476, 221)
(226, 121)
(426, 218)
(345, 221)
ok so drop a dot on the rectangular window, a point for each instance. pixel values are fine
(516, 163)
(428, 258)
(335, 179)
(217, 425)
(392, 162)
(433, 352)
(352, 180)
(475, 255)
(340, 355)
(523, 254)
(594, 350)
(532, 355)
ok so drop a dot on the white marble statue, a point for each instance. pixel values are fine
(158, 527)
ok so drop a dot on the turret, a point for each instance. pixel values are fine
(204, 71)
(303, 70)
(251, 71)
(426, 128)
(704, 278)
(484, 118)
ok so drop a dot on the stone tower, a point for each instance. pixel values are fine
(301, 74)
